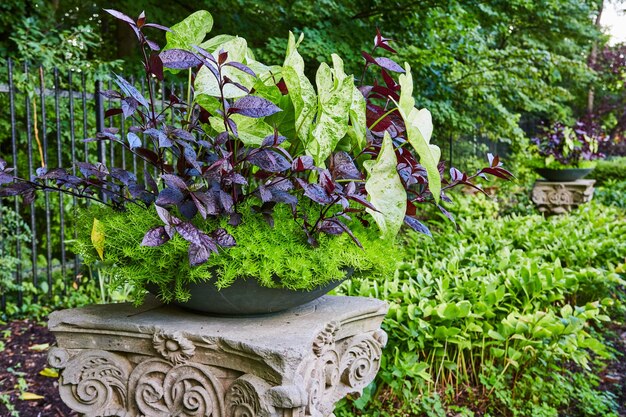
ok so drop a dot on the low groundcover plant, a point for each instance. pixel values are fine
(258, 173)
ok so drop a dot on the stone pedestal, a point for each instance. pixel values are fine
(158, 361)
(561, 197)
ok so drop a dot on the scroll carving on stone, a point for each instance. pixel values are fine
(246, 398)
(361, 361)
(163, 390)
(561, 197)
(93, 382)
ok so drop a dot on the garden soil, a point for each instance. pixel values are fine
(24, 359)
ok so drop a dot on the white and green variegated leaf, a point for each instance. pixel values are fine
(385, 190)
(251, 131)
(190, 31)
(213, 43)
(334, 89)
(358, 119)
(419, 128)
(301, 90)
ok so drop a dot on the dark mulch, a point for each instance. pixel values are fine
(19, 361)
(614, 376)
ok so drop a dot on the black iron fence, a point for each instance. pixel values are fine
(46, 114)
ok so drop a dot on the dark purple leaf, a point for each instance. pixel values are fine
(150, 182)
(241, 67)
(98, 169)
(157, 26)
(302, 163)
(160, 136)
(169, 197)
(147, 154)
(5, 177)
(223, 238)
(253, 106)
(18, 188)
(155, 237)
(111, 94)
(190, 233)
(188, 209)
(456, 175)
(156, 65)
(198, 254)
(179, 59)
(416, 225)
(112, 112)
(123, 176)
(227, 201)
(134, 141)
(315, 192)
(235, 219)
(388, 64)
(130, 90)
(269, 160)
(120, 16)
(174, 181)
(153, 45)
(343, 167)
(184, 135)
(273, 140)
(129, 106)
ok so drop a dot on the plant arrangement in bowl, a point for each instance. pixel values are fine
(562, 153)
(262, 189)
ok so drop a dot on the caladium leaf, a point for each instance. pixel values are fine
(250, 131)
(155, 237)
(335, 90)
(385, 190)
(191, 31)
(419, 128)
(300, 89)
(253, 106)
(179, 59)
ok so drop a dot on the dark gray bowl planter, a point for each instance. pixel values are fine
(247, 297)
(563, 175)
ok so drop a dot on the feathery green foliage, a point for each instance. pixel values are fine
(277, 256)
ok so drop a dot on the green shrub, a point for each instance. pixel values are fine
(497, 321)
(609, 169)
(612, 193)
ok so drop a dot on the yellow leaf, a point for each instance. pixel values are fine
(40, 348)
(97, 237)
(28, 396)
(49, 372)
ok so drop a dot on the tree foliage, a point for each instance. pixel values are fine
(479, 66)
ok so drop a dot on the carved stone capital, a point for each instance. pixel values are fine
(561, 197)
(160, 361)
